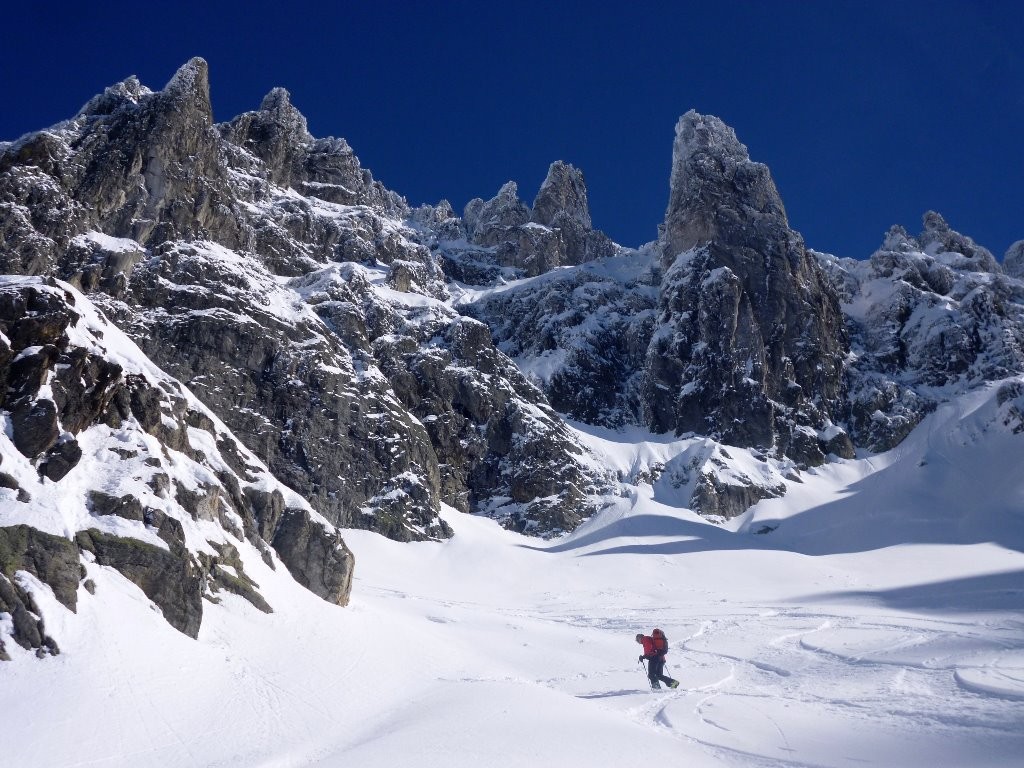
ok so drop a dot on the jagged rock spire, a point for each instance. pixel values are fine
(1013, 261)
(756, 346)
(189, 88)
(277, 106)
(128, 91)
(276, 133)
(716, 191)
(563, 195)
(937, 236)
(488, 221)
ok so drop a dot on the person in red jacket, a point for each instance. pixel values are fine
(655, 647)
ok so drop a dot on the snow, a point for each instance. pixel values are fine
(872, 616)
(878, 624)
(109, 243)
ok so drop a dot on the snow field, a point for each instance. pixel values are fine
(879, 624)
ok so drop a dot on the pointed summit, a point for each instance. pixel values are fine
(716, 191)
(938, 237)
(562, 195)
(190, 88)
(756, 346)
(488, 221)
(277, 106)
(276, 133)
(128, 91)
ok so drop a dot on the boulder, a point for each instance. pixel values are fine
(316, 558)
(171, 579)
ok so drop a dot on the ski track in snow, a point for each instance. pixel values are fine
(762, 684)
(862, 676)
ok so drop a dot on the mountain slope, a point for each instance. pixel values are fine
(291, 291)
(106, 460)
(814, 644)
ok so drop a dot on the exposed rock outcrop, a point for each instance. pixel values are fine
(727, 328)
(330, 328)
(928, 317)
(185, 233)
(165, 495)
(328, 169)
(555, 232)
(318, 560)
(751, 342)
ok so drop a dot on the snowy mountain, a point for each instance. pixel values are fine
(293, 294)
(233, 363)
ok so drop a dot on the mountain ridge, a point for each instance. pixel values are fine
(381, 360)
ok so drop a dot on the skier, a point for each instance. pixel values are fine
(655, 647)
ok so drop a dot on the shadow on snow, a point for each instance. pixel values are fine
(994, 592)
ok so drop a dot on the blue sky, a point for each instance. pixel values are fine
(868, 113)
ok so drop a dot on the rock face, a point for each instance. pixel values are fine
(379, 362)
(327, 169)
(180, 496)
(928, 317)
(50, 559)
(293, 293)
(751, 341)
(726, 327)
(729, 327)
(513, 239)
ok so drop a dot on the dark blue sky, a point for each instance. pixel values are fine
(867, 113)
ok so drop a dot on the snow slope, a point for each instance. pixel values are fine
(878, 622)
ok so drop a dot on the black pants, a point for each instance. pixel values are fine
(656, 670)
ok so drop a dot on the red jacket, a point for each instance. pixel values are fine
(650, 652)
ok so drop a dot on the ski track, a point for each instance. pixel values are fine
(769, 658)
(764, 663)
(856, 673)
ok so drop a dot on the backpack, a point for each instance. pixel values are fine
(660, 641)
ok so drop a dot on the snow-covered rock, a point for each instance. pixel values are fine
(368, 352)
(295, 295)
(926, 324)
(106, 459)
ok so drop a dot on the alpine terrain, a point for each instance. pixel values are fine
(294, 473)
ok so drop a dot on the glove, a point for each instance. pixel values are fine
(641, 658)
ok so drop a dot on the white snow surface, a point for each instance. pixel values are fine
(880, 622)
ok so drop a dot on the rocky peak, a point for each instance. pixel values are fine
(556, 232)
(752, 344)
(276, 133)
(488, 221)
(898, 239)
(129, 91)
(1013, 261)
(278, 110)
(563, 195)
(938, 237)
(278, 105)
(716, 191)
(947, 320)
(189, 90)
